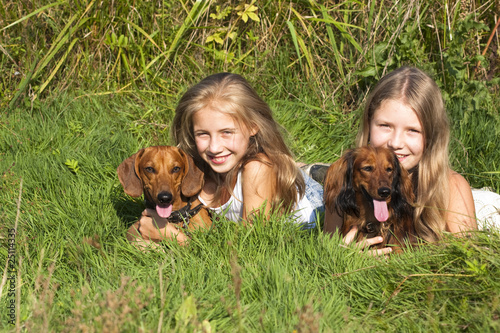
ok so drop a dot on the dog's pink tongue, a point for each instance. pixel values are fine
(380, 210)
(164, 212)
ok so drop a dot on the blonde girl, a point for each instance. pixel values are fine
(405, 113)
(249, 170)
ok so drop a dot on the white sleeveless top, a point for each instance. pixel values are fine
(305, 212)
(487, 205)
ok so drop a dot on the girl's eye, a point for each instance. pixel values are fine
(200, 135)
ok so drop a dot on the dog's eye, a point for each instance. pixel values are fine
(388, 169)
(367, 168)
(176, 169)
(149, 169)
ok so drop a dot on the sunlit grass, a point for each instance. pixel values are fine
(78, 270)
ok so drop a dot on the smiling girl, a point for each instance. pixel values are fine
(405, 113)
(223, 123)
(249, 170)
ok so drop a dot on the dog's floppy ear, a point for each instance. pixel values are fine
(402, 200)
(338, 184)
(333, 181)
(132, 184)
(193, 179)
(407, 186)
(346, 200)
(402, 189)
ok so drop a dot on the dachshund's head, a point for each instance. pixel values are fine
(165, 174)
(376, 174)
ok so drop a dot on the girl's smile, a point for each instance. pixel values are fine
(218, 159)
(220, 140)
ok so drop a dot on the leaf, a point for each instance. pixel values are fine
(219, 40)
(380, 52)
(369, 71)
(251, 8)
(244, 17)
(253, 17)
(216, 37)
(221, 14)
(233, 35)
(72, 165)
(247, 11)
(186, 311)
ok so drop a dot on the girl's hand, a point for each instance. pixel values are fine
(154, 228)
(351, 235)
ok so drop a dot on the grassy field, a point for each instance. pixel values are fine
(83, 85)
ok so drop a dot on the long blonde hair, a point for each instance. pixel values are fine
(418, 90)
(234, 96)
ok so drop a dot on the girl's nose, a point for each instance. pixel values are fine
(396, 141)
(215, 145)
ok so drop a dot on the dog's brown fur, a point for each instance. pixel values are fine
(368, 173)
(165, 175)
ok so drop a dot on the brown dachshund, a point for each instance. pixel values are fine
(170, 181)
(369, 188)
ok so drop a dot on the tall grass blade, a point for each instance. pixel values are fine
(22, 86)
(39, 10)
(331, 37)
(138, 28)
(308, 56)
(341, 27)
(54, 71)
(62, 38)
(59, 42)
(301, 20)
(370, 15)
(299, 43)
(293, 34)
(194, 14)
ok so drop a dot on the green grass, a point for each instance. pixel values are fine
(85, 100)
(270, 277)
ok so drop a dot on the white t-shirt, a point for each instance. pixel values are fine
(305, 212)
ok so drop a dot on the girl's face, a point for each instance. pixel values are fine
(220, 140)
(396, 126)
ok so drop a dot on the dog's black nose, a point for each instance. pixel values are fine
(165, 197)
(384, 192)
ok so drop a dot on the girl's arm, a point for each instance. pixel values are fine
(257, 186)
(460, 215)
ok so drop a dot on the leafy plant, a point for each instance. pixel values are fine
(72, 165)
